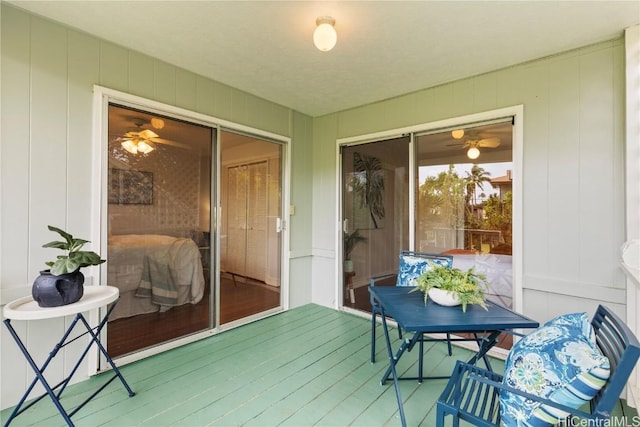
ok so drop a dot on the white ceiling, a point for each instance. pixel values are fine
(384, 49)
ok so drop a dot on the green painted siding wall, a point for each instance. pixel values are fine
(46, 166)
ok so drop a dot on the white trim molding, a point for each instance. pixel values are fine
(632, 47)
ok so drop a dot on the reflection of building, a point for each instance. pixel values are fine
(503, 184)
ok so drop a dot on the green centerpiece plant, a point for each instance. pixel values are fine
(463, 287)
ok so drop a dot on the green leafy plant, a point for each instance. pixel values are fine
(350, 242)
(74, 258)
(468, 285)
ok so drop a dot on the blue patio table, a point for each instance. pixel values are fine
(416, 318)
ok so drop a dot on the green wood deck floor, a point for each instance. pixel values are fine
(305, 367)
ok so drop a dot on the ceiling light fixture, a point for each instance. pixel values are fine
(458, 133)
(325, 36)
(136, 145)
(139, 142)
(157, 123)
(473, 153)
(130, 146)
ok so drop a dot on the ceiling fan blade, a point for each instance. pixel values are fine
(489, 142)
(147, 134)
(172, 143)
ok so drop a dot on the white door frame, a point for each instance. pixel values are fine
(517, 112)
(102, 96)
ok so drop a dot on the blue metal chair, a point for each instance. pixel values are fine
(472, 393)
(411, 265)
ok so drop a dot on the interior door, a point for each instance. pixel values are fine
(256, 254)
(236, 233)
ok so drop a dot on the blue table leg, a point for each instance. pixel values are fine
(392, 367)
(485, 344)
(39, 371)
(39, 377)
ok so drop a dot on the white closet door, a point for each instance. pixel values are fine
(236, 219)
(257, 196)
(273, 234)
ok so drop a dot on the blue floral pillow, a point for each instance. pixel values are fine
(559, 361)
(412, 266)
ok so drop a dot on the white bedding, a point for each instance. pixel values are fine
(499, 272)
(128, 267)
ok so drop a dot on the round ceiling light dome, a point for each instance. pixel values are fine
(325, 36)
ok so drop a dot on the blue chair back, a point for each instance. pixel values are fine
(413, 264)
(620, 345)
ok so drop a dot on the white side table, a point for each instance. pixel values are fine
(27, 309)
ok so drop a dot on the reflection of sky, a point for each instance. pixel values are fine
(495, 170)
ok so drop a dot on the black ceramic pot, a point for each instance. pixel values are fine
(53, 291)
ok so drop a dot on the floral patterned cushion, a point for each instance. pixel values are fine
(559, 361)
(412, 266)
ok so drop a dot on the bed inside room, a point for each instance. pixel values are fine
(154, 272)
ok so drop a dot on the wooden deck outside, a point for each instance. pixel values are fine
(306, 367)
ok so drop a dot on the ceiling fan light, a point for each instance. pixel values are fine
(458, 133)
(473, 153)
(130, 146)
(144, 147)
(325, 36)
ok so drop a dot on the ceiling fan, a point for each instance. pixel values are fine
(474, 143)
(144, 140)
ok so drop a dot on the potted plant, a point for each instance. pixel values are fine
(61, 284)
(350, 242)
(452, 286)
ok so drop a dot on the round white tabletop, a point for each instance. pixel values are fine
(26, 308)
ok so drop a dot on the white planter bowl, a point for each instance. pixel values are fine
(441, 297)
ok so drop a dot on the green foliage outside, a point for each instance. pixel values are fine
(449, 201)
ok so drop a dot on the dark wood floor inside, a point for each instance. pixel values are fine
(238, 298)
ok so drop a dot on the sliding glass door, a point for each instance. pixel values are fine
(250, 226)
(194, 228)
(375, 213)
(159, 228)
(464, 197)
(445, 191)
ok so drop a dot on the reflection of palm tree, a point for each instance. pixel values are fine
(475, 180)
(369, 185)
(441, 199)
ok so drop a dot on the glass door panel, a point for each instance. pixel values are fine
(250, 235)
(464, 196)
(375, 212)
(159, 228)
